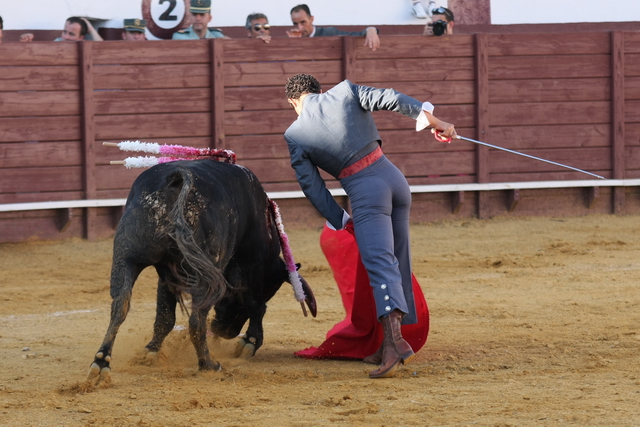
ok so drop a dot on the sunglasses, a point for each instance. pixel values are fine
(258, 27)
(442, 11)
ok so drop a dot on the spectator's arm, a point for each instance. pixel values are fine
(372, 39)
(26, 37)
(94, 34)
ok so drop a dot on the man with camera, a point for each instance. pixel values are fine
(441, 22)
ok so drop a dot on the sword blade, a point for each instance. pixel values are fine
(529, 156)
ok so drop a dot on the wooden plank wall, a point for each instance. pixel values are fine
(629, 114)
(572, 98)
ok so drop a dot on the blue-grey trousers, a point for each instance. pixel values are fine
(380, 204)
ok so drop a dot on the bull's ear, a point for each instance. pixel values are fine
(298, 265)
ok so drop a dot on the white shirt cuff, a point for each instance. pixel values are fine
(422, 121)
(345, 220)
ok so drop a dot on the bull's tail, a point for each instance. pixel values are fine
(200, 277)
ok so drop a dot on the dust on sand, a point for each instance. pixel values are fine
(534, 321)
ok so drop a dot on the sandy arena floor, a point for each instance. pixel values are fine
(534, 322)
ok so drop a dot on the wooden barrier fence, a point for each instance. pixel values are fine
(573, 98)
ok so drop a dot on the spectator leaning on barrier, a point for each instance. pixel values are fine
(201, 11)
(1, 28)
(303, 22)
(441, 22)
(258, 27)
(134, 29)
(76, 29)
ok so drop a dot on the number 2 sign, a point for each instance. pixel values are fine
(164, 17)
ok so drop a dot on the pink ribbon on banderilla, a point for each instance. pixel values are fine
(294, 278)
(171, 153)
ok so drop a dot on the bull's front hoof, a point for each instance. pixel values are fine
(210, 366)
(99, 375)
(100, 371)
(245, 348)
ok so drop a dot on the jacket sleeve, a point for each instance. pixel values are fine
(313, 186)
(374, 99)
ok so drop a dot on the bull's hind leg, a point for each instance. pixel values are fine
(254, 337)
(165, 315)
(123, 275)
(198, 334)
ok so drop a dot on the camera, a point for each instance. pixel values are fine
(439, 27)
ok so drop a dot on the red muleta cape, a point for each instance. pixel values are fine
(360, 333)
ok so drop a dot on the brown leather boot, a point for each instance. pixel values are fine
(395, 350)
(375, 358)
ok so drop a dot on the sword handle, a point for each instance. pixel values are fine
(437, 135)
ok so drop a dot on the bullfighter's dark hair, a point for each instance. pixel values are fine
(300, 7)
(83, 25)
(300, 84)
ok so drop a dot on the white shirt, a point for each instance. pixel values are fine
(422, 121)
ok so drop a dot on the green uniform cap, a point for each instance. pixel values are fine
(200, 6)
(137, 25)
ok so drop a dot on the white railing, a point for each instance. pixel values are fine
(443, 188)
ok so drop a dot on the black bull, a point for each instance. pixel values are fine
(209, 230)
